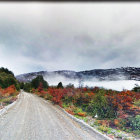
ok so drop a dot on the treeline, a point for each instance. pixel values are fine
(7, 79)
(37, 82)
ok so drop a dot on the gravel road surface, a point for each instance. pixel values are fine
(32, 118)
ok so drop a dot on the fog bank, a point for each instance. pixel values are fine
(115, 85)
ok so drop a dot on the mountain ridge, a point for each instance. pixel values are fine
(123, 73)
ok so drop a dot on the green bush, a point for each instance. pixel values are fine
(136, 88)
(67, 99)
(137, 132)
(48, 97)
(100, 106)
(103, 128)
(77, 110)
(135, 123)
(137, 102)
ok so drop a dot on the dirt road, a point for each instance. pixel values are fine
(32, 118)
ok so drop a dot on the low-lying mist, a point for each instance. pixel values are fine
(115, 85)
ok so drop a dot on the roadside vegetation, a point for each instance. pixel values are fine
(114, 113)
(9, 87)
(111, 112)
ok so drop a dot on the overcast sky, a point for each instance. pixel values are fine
(69, 36)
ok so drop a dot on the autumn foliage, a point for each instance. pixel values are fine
(106, 104)
(9, 91)
(112, 108)
(121, 102)
(8, 95)
(83, 114)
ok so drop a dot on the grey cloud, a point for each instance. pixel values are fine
(75, 36)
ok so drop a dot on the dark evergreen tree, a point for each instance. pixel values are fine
(2, 69)
(39, 79)
(27, 87)
(21, 85)
(60, 85)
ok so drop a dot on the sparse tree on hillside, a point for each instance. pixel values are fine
(81, 83)
(70, 85)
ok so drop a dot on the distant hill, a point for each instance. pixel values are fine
(123, 73)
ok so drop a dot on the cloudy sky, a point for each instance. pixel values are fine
(72, 36)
